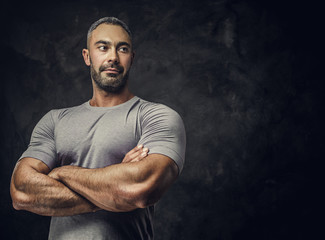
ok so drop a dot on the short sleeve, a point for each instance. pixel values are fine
(42, 144)
(163, 132)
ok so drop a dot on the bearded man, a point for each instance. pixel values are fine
(98, 168)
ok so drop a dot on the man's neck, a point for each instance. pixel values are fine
(103, 99)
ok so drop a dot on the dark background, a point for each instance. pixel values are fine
(246, 76)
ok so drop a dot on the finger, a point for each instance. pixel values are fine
(141, 156)
(135, 150)
(133, 153)
(138, 153)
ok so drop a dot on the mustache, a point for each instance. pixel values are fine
(112, 65)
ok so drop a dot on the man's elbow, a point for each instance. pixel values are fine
(16, 205)
(133, 198)
(146, 202)
(20, 201)
(148, 197)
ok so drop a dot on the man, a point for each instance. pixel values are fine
(99, 168)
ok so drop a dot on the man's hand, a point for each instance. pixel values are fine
(136, 154)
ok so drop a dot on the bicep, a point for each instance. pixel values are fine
(26, 168)
(155, 174)
(34, 164)
(42, 144)
(160, 166)
(27, 174)
(163, 132)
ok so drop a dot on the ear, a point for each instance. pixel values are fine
(132, 57)
(85, 54)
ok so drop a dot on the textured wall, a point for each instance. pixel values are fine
(242, 74)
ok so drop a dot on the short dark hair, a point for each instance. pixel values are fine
(108, 20)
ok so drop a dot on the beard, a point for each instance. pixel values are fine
(110, 82)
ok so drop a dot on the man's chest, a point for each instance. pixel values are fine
(95, 141)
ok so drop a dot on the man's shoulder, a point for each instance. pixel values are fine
(157, 111)
(154, 107)
(58, 113)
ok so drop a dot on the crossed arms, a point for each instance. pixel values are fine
(139, 181)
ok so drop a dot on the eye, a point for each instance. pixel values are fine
(124, 49)
(102, 48)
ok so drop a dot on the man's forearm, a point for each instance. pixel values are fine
(36, 192)
(90, 183)
(121, 187)
(52, 199)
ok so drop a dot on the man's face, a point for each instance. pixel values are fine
(110, 57)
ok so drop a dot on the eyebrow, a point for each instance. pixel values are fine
(110, 43)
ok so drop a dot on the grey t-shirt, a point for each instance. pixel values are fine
(94, 137)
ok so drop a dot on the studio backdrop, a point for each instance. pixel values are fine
(243, 75)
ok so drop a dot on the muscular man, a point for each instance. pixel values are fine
(99, 168)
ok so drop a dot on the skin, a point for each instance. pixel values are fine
(33, 189)
(109, 44)
(127, 187)
(137, 182)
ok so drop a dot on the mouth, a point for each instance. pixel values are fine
(111, 71)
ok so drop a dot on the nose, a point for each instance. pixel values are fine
(113, 56)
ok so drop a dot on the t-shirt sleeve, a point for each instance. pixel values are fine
(42, 144)
(163, 132)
